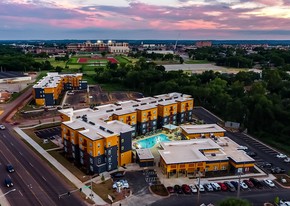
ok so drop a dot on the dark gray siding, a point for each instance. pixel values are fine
(49, 101)
(112, 158)
(38, 93)
(125, 142)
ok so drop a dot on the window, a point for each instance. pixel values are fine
(122, 140)
(99, 153)
(99, 160)
(154, 122)
(99, 145)
(109, 152)
(91, 161)
(65, 143)
(91, 168)
(182, 115)
(109, 167)
(215, 168)
(133, 116)
(133, 133)
(91, 144)
(174, 117)
(72, 134)
(122, 148)
(224, 168)
(65, 149)
(64, 129)
(81, 154)
(144, 125)
(109, 159)
(82, 161)
(74, 156)
(91, 153)
(73, 148)
(109, 144)
(81, 139)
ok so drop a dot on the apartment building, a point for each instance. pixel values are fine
(47, 90)
(197, 157)
(100, 139)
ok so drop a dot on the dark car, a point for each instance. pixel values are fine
(251, 154)
(117, 174)
(170, 189)
(10, 168)
(277, 170)
(178, 189)
(186, 189)
(235, 183)
(8, 182)
(266, 165)
(256, 182)
(249, 183)
(230, 186)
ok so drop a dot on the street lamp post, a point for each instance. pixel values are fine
(91, 186)
(13, 190)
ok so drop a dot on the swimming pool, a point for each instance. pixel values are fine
(151, 141)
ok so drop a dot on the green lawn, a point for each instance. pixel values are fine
(196, 62)
(122, 59)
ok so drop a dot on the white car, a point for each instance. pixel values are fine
(244, 186)
(121, 183)
(284, 203)
(193, 188)
(200, 187)
(241, 147)
(282, 156)
(2, 127)
(270, 183)
(287, 160)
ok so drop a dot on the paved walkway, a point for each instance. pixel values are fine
(97, 199)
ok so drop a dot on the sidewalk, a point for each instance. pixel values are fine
(87, 191)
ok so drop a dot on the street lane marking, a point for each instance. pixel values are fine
(31, 164)
(43, 178)
(11, 143)
(20, 193)
(20, 153)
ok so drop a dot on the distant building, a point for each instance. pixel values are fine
(47, 90)
(12, 77)
(199, 44)
(4, 96)
(99, 46)
(160, 51)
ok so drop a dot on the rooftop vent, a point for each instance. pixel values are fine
(92, 123)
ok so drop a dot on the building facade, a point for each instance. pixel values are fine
(100, 139)
(46, 91)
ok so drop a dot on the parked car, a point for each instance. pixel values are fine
(10, 168)
(223, 186)
(243, 185)
(287, 160)
(277, 170)
(121, 183)
(256, 182)
(241, 147)
(249, 183)
(178, 189)
(266, 165)
(200, 187)
(8, 182)
(281, 156)
(216, 186)
(235, 183)
(230, 186)
(193, 188)
(251, 154)
(117, 174)
(170, 189)
(2, 127)
(208, 187)
(284, 203)
(270, 183)
(186, 189)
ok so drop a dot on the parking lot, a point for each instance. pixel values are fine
(50, 133)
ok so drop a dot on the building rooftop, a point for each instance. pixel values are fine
(52, 80)
(144, 154)
(199, 150)
(202, 128)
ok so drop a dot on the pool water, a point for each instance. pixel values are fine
(151, 141)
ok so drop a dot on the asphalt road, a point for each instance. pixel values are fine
(34, 181)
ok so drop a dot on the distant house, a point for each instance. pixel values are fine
(4, 96)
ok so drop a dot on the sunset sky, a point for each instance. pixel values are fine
(144, 19)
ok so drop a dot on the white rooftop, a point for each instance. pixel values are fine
(200, 150)
(202, 128)
(144, 154)
(52, 79)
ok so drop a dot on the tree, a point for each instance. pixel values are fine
(234, 202)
